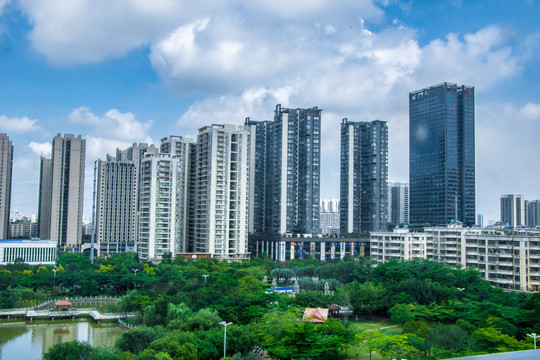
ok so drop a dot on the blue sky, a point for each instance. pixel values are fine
(124, 71)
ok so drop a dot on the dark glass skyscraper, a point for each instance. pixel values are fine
(364, 176)
(442, 154)
(285, 192)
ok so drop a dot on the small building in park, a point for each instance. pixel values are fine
(316, 315)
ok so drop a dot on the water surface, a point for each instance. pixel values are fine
(29, 340)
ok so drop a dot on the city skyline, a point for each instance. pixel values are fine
(187, 67)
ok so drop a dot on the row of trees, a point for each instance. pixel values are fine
(182, 302)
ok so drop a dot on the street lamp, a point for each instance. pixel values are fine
(205, 276)
(534, 336)
(225, 324)
(54, 278)
(135, 272)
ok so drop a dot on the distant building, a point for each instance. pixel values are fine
(330, 205)
(363, 176)
(285, 190)
(6, 166)
(23, 229)
(61, 191)
(398, 203)
(442, 155)
(532, 213)
(480, 220)
(513, 210)
(329, 216)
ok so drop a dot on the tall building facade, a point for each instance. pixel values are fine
(117, 185)
(6, 166)
(62, 191)
(286, 186)
(163, 221)
(532, 213)
(513, 210)
(442, 154)
(221, 191)
(45, 198)
(364, 176)
(398, 203)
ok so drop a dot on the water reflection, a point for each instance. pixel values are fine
(30, 340)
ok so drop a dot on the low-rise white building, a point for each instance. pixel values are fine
(32, 252)
(507, 259)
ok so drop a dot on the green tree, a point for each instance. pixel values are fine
(397, 346)
(369, 297)
(402, 313)
(369, 340)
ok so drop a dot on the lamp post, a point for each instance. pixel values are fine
(135, 272)
(54, 279)
(225, 324)
(534, 336)
(205, 276)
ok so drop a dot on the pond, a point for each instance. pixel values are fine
(27, 340)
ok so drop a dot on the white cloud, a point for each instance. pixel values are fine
(17, 125)
(40, 149)
(113, 125)
(2, 4)
(530, 111)
(481, 59)
(67, 33)
(506, 146)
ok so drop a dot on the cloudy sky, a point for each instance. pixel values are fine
(124, 71)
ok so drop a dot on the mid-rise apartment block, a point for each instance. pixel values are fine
(364, 176)
(6, 166)
(507, 259)
(61, 192)
(398, 203)
(23, 229)
(513, 210)
(442, 155)
(285, 191)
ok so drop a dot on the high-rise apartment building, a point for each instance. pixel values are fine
(364, 176)
(163, 221)
(6, 166)
(513, 210)
(398, 203)
(116, 200)
(532, 213)
(116, 187)
(221, 191)
(442, 154)
(61, 191)
(286, 187)
(45, 198)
